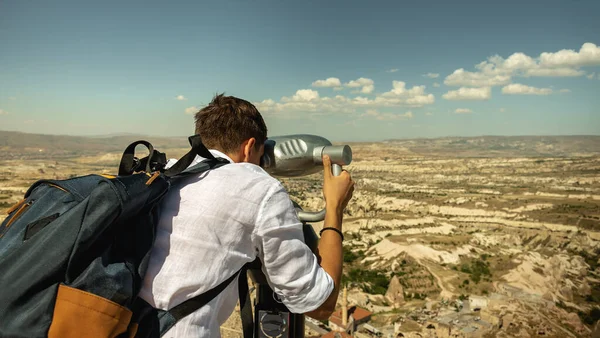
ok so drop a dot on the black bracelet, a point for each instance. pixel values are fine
(334, 229)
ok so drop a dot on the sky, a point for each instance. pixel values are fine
(345, 70)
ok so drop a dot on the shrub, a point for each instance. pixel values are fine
(372, 281)
(349, 256)
(591, 316)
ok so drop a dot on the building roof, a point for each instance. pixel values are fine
(357, 313)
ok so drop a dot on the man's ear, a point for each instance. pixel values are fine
(248, 148)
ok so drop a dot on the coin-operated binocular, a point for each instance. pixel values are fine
(292, 156)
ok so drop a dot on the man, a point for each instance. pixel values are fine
(226, 217)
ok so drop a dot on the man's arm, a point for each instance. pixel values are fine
(330, 252)
(292, 270)
(337, 191)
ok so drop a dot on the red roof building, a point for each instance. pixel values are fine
(356, 316)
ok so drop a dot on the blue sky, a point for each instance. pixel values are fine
(388, 69)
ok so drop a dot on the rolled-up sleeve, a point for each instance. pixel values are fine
(290, 266)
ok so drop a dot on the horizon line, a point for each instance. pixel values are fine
(109, 135)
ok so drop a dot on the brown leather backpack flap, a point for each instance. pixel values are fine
(82, 314)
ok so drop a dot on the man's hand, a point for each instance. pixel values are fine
(337, 190)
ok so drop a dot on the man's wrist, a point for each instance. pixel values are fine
(334, 206)
(335, 210)
(338, 231)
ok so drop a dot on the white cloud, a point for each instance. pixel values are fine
(516, 61)
(329, 82)
(469, 94)
(502, 110)
(591, 75)
(367, 89)
(387, 116)
(564, 91)
(431, 75)
(180, 98)
(309, 101)
(420, 100)
(461, 77)
(191, 110)
(463, 111)
(428, 113)
(393, 70)
(367, 85)
(12, 98)
(497, 71)
(304, 100)
(521, 89)
(3, 112)
(302, 95)
(554, 72)
(588, 55)
(399, 95)
(359, 82)
(435, 84)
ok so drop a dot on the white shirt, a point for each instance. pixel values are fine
(210, 227)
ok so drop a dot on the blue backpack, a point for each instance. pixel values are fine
(73, 253)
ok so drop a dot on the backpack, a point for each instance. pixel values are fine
(74, 252)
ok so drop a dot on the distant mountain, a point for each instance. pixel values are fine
(17, 145)
(493, 146)
(112, 135)
(25, 145)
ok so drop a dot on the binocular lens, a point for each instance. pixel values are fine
(273, 324)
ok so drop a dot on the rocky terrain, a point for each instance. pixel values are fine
(482, 237)
(429, 235)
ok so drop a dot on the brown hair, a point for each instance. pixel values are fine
(228, 121)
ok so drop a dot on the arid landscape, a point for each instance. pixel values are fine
(473, 236)
(449, 237)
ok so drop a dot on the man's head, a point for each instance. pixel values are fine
(233, 126)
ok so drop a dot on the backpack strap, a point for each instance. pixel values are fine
(129, 163)
(156, 162)
(198, 148)
(245, 305)
(169, 318)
